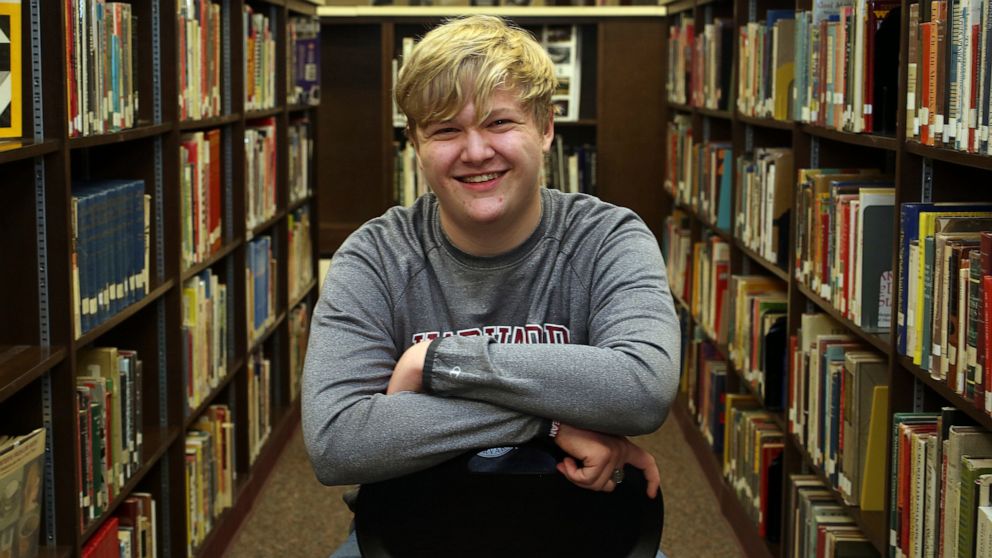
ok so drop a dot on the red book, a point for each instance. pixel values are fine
(793, 350)
(103, 543)
(926, 31)
(985, 338)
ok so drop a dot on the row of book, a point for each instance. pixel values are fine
(259, 403)
(299, 336)
(948, 94)
(109, 249)
(300, 139)
(259, 47)
(845, 219)
(303, 53)
(300, 253)
(677, 248)
(198, 29)
(699, 174)
(109, 422)
(260, 171)
(260, 286)
(945, 301)
(570, 168)
(940, 500)
(838, 399)
(700, 65)
(101, 66)
(766, 65)
(408, 185)
(204, 336)
(129, 533)
(210, 472)
(201, 195)
(764, 202)
(22, 461)
(819, 526)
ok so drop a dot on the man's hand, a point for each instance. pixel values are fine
(408, 374)
(600, 455)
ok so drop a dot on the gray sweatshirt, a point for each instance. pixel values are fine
(576, 324)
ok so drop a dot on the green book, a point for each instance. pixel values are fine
(971, 469)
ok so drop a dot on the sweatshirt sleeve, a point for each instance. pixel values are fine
(353, 432)
(623, 382)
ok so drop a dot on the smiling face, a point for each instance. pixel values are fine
(485, 173)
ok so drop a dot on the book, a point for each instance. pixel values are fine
(22, 459)
(11, 92)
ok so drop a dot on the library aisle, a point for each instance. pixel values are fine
(295, 511)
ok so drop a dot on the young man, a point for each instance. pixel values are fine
(494, 311)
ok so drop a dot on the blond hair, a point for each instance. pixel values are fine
(469, 58)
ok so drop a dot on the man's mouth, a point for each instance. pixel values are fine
(477, 178)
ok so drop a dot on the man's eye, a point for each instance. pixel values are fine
(444, 131)
(500, 122)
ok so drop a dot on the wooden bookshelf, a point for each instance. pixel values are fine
(39, 345)
(953, 176)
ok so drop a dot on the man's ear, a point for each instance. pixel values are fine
(549, 131)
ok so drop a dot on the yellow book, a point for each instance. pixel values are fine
(873, 477)
(10, 69)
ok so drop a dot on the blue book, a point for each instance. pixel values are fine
(84, 211)
(909, 230)
(726, 196)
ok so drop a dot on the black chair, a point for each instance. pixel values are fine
(506, 503)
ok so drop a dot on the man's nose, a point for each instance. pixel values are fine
(477, 147)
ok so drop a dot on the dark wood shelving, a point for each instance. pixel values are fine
(232, 371)
(681, 107)
(54, 551)
(263, 113)
(22, 364)
(711, 226)
(715, 113)
(18, 149)
(764, 122)
(873, 524)
(294, 205)
(760, 260)
(298, 298)
(874, 339)
(156, 442)
(575, 123)
(142, 130)
(953, 156)
(296, 107)
(301, 7)
(265, 225)
(217, 256)
(214, 122)
(954, 398)
(114, 321)
(888, 143)
(262, 337)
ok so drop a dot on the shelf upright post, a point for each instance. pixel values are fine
(748, 139)
(814, 152)
(163, 421)
(926, 187)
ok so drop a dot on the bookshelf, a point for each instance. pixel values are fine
(921, 173)
(41, 348)
(619, 109)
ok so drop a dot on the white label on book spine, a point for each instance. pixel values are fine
(892, 537)
(867, 109)
(988, 402)
(983, 133)
(935, 350)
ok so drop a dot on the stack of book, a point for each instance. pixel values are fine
(709, 296)
(198, 30)
(818, 525)
(260, 171)
(845, 221)
(210, 472)
(201, 194)
(109, 249)
(101, 67)
(303, 53)
(260, 279)
(678, 155)
(940, 503)
(260, 60)
(300, 254)
(845, 77)
(300, 159)
(838, 408)
(205, 331)
(766, 66)
(948, 95)
(752, 462)
(757, 334)
(570, 168)
(259, 403)
(713, 66)
(108, 414)
(299, 336)
(945, 278)
(407, 183)
(706, 388)
(136, 526)
(764, 202)
(681, 48)
(677, 248)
